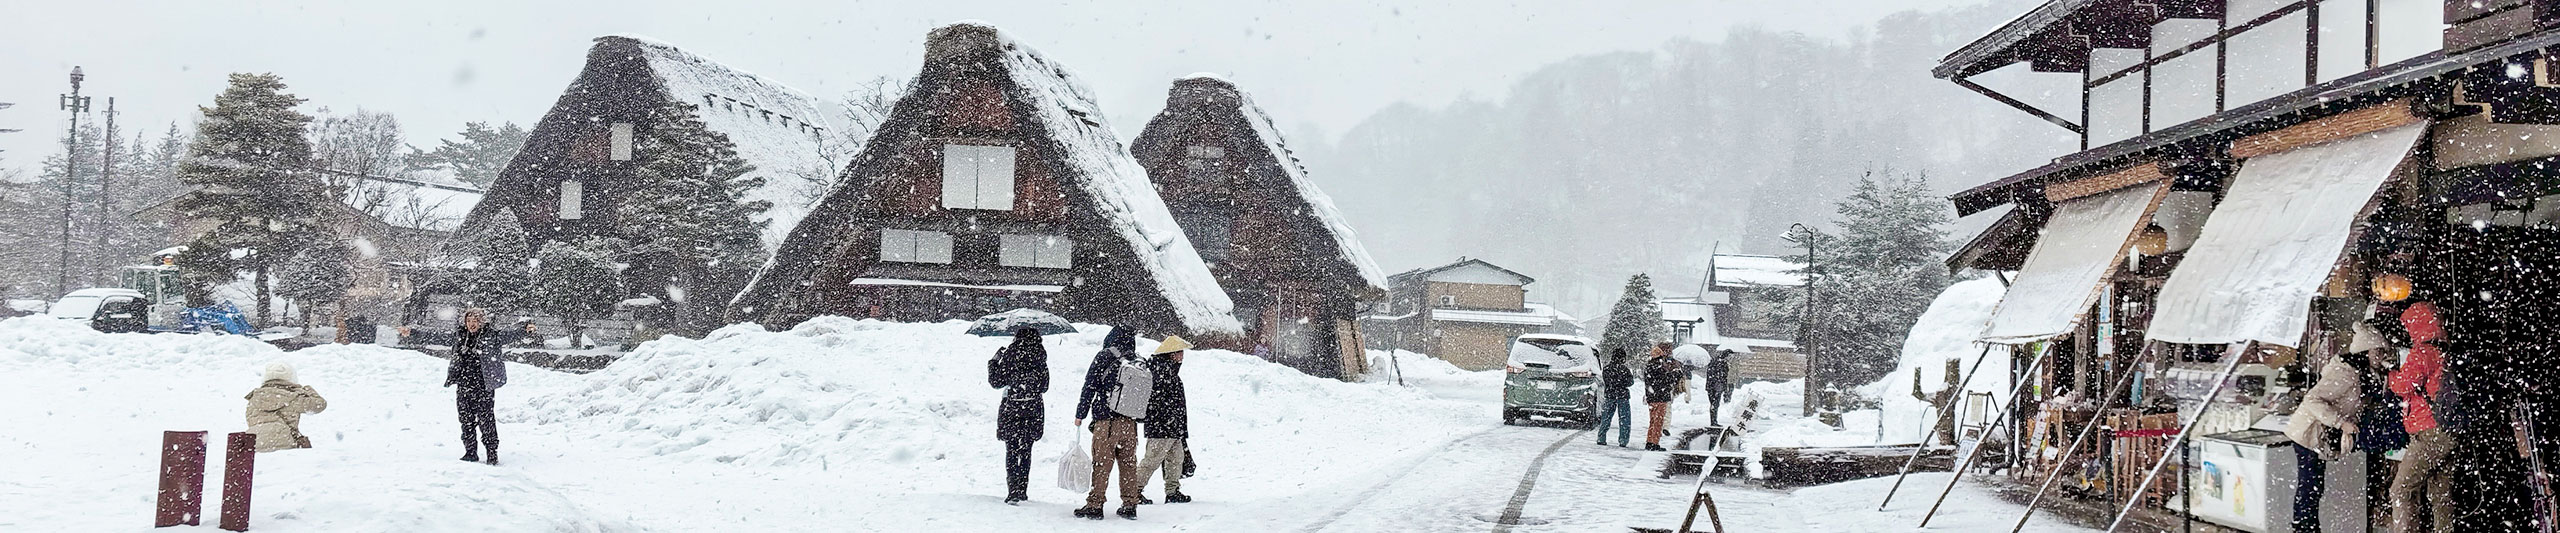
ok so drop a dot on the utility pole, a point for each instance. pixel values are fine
(76, 104)
(106, 185)
(1804, 324)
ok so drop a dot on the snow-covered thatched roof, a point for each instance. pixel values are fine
(1319, 207)
(776, 128)
(1093, 159)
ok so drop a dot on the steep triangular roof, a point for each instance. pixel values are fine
(1059, 117)
(1225, 103)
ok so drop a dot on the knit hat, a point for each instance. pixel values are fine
(1172, 344)
(278, 371)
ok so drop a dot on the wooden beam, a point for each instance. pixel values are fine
(2091, 186)
(2021, 106)
(2380, 117)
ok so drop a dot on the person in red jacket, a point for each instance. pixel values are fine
(2418, 381)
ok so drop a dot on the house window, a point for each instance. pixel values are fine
(1034, 251)
(622, 141)
(1209, 234)
(573, 200)
(1202, 162)
(1205, 151)
(1448, 300)
(912, 246)
(977, 177)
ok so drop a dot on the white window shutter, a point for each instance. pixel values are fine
(959, 176)
(622, 141)
(1017, 250)
(933, 247)
(897, 246)
(573, 200)
(995, 178)
(1055, 252)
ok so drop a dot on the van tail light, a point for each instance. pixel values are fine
(1579, 374)
(1515, 369)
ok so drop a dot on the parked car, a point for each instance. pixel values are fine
(108, 310)
(1551, 375)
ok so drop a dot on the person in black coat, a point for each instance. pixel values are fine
(1662, 378)
(1022, 370)
(479, 367)
(1168, 423)
(1615, 378)
(1718, 380)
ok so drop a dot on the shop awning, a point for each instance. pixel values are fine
(2082, 242)
(2275, 239)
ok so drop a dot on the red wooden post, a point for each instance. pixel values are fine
(181, 478)
(239, 459)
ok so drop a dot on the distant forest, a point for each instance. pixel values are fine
(1599, 167)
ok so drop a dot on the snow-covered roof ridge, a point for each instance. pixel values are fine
(1344, 239)
(776, 128)
(1063, 110)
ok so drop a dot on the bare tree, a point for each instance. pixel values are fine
(859, 114)
(364, 143)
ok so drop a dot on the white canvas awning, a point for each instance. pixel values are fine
(2082, 242)
(2274, 240)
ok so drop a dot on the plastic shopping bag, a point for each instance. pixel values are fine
(1075, 467)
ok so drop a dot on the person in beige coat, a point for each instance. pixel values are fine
(276, 408)
(2332, 404)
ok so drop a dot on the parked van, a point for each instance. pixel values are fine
(1553, 376)
(108, 310)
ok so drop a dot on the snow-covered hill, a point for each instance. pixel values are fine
(836, 424)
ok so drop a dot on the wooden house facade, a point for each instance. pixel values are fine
(1297, 274)
(578, 163)
(1465, 312)
(2257, 178)
(993, 184)
(1735, 313)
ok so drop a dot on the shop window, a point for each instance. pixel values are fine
(977, 177)
(622, 141)
(2266, 61)
(2115, 110)
(1034, 251)
(2342, 38)
(2182, 88)
(573, 200)
(2408, 28)
(912, 246)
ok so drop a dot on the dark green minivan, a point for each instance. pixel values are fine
(1553, 376)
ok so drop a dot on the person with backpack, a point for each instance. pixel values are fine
(1615, 378)
(1662, 380)
(1117, 388)
(2419, 382)
(1168, 423)
(1021, 369)
(479, 367)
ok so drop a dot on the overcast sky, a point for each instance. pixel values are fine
(435, 65)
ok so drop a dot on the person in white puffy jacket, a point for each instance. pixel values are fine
(2333, 403)
(276, 408)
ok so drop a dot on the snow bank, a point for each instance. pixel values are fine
(1946, 331)
(94, 405)
(1434, 375)
(908, 405)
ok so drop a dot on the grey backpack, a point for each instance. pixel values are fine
(1136, 384)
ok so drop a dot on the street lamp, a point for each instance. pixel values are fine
(76, 104)
(1804, 323)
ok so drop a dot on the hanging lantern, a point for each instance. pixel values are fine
(2391, 287)
(2153, 241)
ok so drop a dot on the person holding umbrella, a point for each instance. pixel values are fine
(1021, 369)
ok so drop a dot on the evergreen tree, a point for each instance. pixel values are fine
(577, 281)
(249, 162)
(1635, 323)
(318, 277)
(477, 159)
(691, 228)
(1873, 279)
(501, 259)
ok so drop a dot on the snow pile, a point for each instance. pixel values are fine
(776, 128)
(102, 400)
(1063, 115)
(907, 405)
(1434, 375)
(1945, 331)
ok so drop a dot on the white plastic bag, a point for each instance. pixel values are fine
(1075, 467)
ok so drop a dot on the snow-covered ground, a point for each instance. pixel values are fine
(835, 425)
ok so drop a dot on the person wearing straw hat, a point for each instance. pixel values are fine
(1168, 422)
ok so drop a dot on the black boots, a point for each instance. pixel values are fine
(1090, 512)
(1128, 512)
(1177, 498)
(1651, 447)
(472, 456)
(1142, 500)
(1015, 498)
(493, 457)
